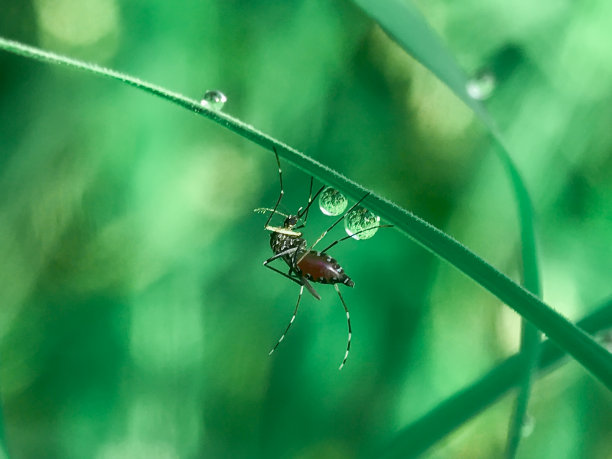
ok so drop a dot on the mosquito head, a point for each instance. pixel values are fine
(291, 221)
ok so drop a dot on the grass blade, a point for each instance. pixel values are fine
(530, 350)
(405, 24)
(577, 343)
(457, 409)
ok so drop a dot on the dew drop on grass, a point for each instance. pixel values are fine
(528, 425)
(213, 99)
(481, 85)
(332, 202)
(358, 220)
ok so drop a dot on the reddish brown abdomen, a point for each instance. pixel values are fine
(320, 267)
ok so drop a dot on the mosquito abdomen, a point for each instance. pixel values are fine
(320, 267)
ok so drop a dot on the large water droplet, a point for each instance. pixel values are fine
(332, 202)
(358, 221)
(213, 99)
(481, 86)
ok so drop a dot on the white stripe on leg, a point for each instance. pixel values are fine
(292, 319)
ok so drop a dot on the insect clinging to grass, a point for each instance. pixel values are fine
(305, 264)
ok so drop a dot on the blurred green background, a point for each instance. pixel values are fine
(135, 314)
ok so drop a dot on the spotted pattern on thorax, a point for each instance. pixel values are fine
(280, 242)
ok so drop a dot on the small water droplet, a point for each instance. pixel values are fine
(481, 86)
(213, 99)
(358, 220)
(332, 202)
(528, 425)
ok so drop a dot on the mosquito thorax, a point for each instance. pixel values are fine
(281, 241)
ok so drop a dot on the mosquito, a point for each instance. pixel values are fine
(305, 264)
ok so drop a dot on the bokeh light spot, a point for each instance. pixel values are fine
(77, 22)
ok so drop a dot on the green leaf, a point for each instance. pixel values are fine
(405, 24)
(577, 343)
(420, 435)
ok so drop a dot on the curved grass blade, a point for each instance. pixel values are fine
(422, 434)
(581, 346)
(407, 26)
(3, 447)
(530, 350)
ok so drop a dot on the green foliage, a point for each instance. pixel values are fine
(451, 413)
(133, 254)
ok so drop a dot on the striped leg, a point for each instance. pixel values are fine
(348, 237)
(292, 319)
(280, 196)
(289, 251)
(334, 224)
(303, 212)
(348, 321)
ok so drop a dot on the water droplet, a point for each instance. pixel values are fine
(358, 220)
(332, 202)
(481, 86)
(213, 99)
(528, 425)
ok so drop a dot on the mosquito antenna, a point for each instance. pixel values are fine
(291, 322)
(280, 196)
(263, 210)
(348, 321)
(354, 234)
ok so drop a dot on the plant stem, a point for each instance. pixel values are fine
(405, 24)
(582, 347)
(420, 435)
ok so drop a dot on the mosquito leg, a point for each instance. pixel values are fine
(348, 321)
(291, 278)
(334, 224)
(280, 255)
(280, 196)
(301, 281)
(305, 211)
(310, 288)
(311, 199)
(291, 322)
(348, 237)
